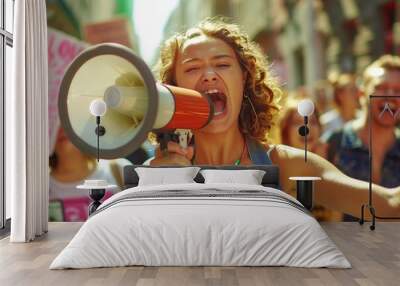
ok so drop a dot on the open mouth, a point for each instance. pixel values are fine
(219, 100)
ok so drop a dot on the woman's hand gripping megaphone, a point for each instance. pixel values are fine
(175, 148)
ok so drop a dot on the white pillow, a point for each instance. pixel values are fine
(163, 176)
(249, 177)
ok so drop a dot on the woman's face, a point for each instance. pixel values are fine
(210, 66)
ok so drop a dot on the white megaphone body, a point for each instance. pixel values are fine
(136, 104)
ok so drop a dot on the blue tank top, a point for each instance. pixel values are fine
(258, 154)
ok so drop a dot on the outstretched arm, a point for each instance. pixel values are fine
(336, 190)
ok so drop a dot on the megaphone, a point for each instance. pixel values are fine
(136, 104)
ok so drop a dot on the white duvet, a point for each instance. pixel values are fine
(183, 231)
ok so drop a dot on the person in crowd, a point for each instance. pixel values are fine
(217, 59)
(322, 95)
(346, 99)
(349, 147)
(69, 167)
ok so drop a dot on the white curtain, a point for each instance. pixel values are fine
(27, 124)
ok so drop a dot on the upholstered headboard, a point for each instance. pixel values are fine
(270, 179)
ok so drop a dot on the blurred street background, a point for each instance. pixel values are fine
(317, 49)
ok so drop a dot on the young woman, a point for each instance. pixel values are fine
(216, 58)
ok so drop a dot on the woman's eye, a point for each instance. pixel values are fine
(192, 69)
(223, 65)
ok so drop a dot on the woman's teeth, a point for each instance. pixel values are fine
(212, 91)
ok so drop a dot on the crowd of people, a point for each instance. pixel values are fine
(341, 135)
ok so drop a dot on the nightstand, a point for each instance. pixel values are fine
(305, 190)
(97, 190)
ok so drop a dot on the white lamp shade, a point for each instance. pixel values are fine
(98, 107)
(305, 107)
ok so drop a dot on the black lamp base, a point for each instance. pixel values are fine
(96, 195)
(372, 212)
(305, 193)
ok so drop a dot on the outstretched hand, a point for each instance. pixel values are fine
(394, 197)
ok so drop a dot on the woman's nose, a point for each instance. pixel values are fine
(209, 75)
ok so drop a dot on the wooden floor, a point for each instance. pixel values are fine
(374, 255)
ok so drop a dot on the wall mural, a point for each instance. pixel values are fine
(142, 104)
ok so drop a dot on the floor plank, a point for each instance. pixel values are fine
(374, 255)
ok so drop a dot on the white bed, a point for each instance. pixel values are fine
(201, 224)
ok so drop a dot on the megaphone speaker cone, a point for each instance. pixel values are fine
(135, 104)
(98, 69)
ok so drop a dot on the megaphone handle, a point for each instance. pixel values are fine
(164, 138)
(184, 137)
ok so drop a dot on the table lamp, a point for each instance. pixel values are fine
(97, 188)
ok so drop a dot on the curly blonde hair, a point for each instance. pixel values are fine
(262, 93)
